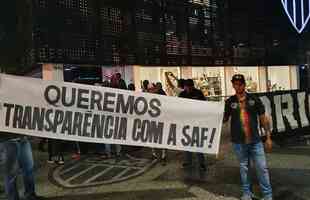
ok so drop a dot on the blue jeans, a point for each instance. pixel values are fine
(104, 148)
(108, 148)
(256, 153)
(189, 158)
(17, 155)
(117, 148)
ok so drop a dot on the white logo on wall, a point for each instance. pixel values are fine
(298, 12)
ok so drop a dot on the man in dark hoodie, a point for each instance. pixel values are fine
(190, 92)
(17, 157)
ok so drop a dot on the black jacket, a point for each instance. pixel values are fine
(5, 136)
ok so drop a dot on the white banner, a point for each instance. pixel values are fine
(86, 113)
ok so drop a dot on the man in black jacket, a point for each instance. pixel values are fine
(191, 92)
(245, 111)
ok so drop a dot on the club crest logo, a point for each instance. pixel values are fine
(298, 12)
(251, 102)
(234, 105)
(93, 171)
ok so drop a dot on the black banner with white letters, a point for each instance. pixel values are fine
(289, 112)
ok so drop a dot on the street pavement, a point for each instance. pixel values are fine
(136, 176)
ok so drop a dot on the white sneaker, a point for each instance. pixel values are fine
(50, 161)
(267, 198)
(246, 197)
(60, 162)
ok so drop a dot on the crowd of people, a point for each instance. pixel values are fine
(242, 109)
(107, 151)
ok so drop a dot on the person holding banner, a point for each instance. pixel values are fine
(191, 92)
(55, 152)
(117, 82)
(145, 85)
(244, 110)
(158, 89)
(17, 157)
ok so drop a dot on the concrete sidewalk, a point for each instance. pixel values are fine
(138, 177)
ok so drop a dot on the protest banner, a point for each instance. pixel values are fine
(288, 111)
(85, 113)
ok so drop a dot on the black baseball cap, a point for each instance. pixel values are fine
(238, 77)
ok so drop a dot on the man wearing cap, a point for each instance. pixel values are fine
(245, 111)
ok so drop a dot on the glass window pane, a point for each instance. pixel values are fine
(278, 78)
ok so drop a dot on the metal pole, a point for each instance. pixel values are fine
(267, 78)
